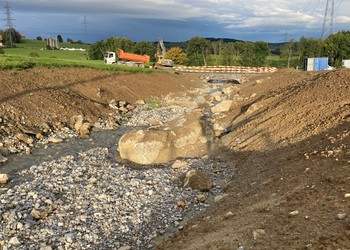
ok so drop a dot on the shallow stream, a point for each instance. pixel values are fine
(51, 151)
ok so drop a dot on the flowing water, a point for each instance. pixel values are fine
(40, 153)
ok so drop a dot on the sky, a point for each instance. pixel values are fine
(173, 20)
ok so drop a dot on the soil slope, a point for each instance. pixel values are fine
(29, 98)
(287, 141)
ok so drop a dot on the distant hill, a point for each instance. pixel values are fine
(275, 47)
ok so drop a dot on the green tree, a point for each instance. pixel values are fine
(145, 48)
(287, 51)
(230, 54)
(310, 47)
(197, 51)
(39, 38)
(218, 47)
(177, 55)
(337, 47)
(59, 38)
(115, 43)
(246, 53)
(260, 52)
(96, 51)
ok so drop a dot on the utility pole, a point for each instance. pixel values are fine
(9, 25)
(286, 36)
(85, 30)
(328, 19)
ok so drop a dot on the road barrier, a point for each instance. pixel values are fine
(225, 69)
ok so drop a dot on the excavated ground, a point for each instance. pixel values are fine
(287, 139)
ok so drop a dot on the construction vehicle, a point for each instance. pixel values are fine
(161, 55)
(127, 59)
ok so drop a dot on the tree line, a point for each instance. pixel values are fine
(199, 51)
(336, 47)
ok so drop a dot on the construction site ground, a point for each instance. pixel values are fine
(290, 154)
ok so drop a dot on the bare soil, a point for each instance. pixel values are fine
(288, 142)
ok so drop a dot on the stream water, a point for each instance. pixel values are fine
(40, 153)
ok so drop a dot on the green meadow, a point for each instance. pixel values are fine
(33, 53)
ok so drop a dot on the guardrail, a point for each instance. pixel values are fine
(225, 69)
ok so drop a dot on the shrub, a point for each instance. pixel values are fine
(34, 54)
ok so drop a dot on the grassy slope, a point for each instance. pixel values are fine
(19, 57)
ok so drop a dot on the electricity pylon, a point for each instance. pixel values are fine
(9, 25)
(328, 19)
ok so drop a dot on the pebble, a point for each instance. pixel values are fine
(294, 213)
(347, 195)
(123, 202)
(4, 178)
(14, 242)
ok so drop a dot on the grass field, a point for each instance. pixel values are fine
(32, 53)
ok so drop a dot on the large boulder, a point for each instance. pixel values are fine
(223, 106)
(188, 136)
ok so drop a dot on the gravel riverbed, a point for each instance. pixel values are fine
(89, 201)
(92, 200)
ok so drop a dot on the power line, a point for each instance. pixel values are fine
(328, 19)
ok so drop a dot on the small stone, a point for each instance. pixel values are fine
(342, 216)
(140, 102)
(220, 198)
(294, 213)
(125, 248)
(201, 198)
(92, 180)
(181, 204)
(19, 226)
(55, 140)
(198, 180)
(46, 248)
(39, 136)
(24, 138)
(180, 164)
(228, 215)
(14, 242)
(258, 233)
(347, 195)
(85, 130)
(4, 178)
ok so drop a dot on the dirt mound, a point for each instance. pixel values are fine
(292, 161)
(29, 98)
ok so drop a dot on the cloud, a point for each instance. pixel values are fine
(178, 19)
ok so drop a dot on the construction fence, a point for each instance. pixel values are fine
(225, 69)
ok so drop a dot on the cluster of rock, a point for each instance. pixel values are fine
(188, 135)
(17, 139)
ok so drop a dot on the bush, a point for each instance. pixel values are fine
(2, 51)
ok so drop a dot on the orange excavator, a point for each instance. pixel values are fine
(127, 59)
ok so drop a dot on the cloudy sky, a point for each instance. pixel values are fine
(174, 20)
